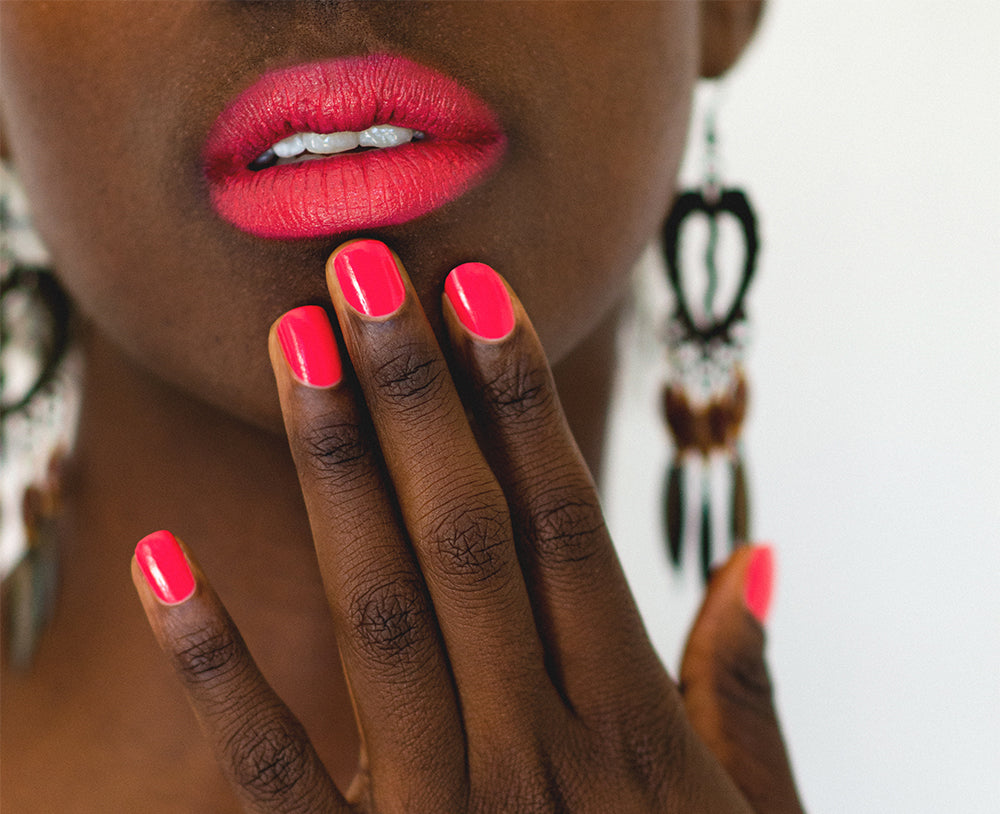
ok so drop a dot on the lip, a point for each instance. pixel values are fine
(462, 143)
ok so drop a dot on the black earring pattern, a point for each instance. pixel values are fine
(705, 397)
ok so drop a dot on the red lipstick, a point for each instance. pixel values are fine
(461, 142)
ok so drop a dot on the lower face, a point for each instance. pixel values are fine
(108, 106)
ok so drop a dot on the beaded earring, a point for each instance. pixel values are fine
(40, 371)
(705, 395)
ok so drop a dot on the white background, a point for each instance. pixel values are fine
(867, 134)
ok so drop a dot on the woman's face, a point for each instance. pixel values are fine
(107, 108)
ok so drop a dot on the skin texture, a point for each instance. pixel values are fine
(105, 109)
(148, 80)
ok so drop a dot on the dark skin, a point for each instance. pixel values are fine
(183, 428)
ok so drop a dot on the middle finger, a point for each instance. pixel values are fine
(450, 501)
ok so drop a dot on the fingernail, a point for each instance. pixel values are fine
(369, 278)
(165, 567)
(480, 299)
(307, 343)
(758, 582)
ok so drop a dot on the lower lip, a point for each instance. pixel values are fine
(343, 193)
(349, 191)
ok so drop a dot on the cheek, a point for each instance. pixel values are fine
(106, 114)
(593, 164)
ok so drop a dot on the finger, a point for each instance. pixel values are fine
(593, 635)
(389, 642)
(262, 749)
(450, 502)
(726, 687)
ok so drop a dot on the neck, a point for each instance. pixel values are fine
(148, 457)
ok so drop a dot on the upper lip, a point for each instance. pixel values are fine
(347, 94)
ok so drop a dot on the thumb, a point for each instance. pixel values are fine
(726, 687)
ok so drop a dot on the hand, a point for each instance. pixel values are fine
(494, 653)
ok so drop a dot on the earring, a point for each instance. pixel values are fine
(40, 373)
(705, 396)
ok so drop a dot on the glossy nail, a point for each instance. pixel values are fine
(369, 278)
(165, 567)
(480, 300)
(308, 345)
(758, 582)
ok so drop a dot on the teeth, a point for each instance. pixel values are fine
(380, 135)
(384, 135)
(330, 143)
(289, 147)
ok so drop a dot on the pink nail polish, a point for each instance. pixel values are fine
(307, 343)
(758, 582)
(480, 299)
(165, 567)
(369, 278)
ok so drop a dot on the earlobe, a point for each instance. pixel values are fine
(727, 26)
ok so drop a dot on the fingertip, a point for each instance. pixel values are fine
(369, 277)
(164, 567)
(307, 345)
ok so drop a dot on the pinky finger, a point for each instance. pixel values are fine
(261, 747)
(726, 686)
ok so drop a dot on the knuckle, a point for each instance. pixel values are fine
(391, 624)
(210, 655)
(521, 393)
(566, 526)
(742, 680)
(334, 449)
(270, 757)
(469, 546)
(410, 376)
